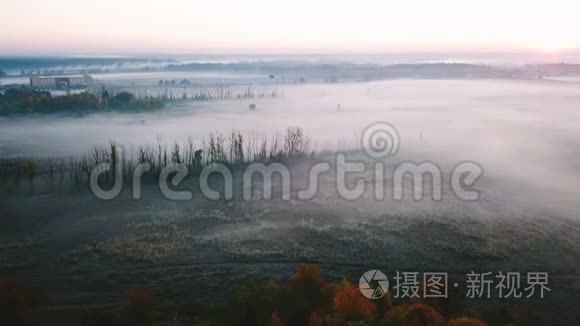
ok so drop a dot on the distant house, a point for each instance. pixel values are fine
(61, 82)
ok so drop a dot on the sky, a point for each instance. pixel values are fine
(296, 26)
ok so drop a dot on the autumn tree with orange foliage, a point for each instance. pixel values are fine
(275, 320)
(18, 303)
(422, 314)
(307, 299)
(307, 292)
(140, 306)
(350, 304)
(315, 320)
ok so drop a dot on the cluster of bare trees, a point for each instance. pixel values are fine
(234, 150)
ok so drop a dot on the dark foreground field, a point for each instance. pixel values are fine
(84, 254)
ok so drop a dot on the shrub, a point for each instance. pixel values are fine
(422, 314)
(124, 97)
(350, 304)
(315, 320)
(275, 320)
(18, 303)
(307, 292)
(140, 306)
(253, 305)
(396, 315)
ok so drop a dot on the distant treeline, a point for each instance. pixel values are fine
(299, 70)
(19, 101)
(234, 150)
(330, 71)
(35, 64)
(292, 69)
(347, 71)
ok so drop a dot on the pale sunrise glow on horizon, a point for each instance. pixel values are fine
(131, 26)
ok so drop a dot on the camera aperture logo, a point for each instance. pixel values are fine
(373, 284)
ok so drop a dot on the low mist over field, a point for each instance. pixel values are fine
(289, 163)
(521, 130)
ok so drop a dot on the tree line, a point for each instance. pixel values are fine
(18, 101)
